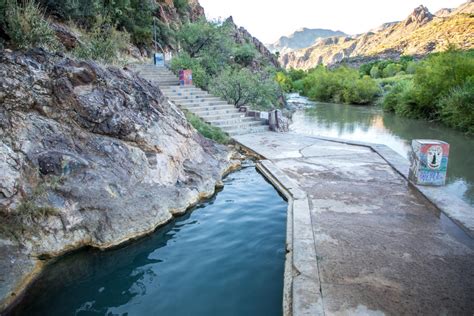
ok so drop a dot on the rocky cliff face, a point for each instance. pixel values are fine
(302, 38)
(419, 34)
(242, 36)
(89, 156)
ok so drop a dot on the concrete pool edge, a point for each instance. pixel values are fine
(301, 265)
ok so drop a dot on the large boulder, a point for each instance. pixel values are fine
(89, 156)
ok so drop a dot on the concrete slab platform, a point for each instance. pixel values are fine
(363, 240)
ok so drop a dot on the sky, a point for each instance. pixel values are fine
(268, 20)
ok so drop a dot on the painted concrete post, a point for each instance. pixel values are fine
(186, 77)
(429, 162)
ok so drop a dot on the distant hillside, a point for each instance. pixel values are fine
(302, 38)
(419, 34)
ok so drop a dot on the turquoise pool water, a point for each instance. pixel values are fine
(224, 258)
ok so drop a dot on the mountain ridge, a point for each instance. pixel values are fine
(419, 34)
(301, 38)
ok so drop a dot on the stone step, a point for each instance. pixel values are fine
(193, 96)
(187, 94)
(231, 121)
(221, 111)
(209, 108)
(180, 91)
(256, 129)
(217, 117)
(201, 104)
(240, 125)
(187, 87)
(159, 78)
(194, 99)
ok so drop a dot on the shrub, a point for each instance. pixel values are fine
(133, 16)
(391, 70)
(184, 61)
(375, 72)
(27, 26)
(339, 85)
(243, 87)
(103, 43)
(437, 76)
(400, 98)
(207, 130)
(181, 5)
(361, 91)
(411, 67)
(457, 108)
(245, 54)
(284, 81)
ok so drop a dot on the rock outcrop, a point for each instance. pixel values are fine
(89, 156)
(419, 34)
(242, 36)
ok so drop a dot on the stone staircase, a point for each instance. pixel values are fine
(211, 109)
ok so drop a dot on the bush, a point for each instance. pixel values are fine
(103, 43)
(245, 54)
(284, 81)
(184, 61)
(361, 91)
(242, 87)
(339, 85)
(133, 16)
(457, 108)
(27, 26)
(391, 70)
(441, 89)
(181, 5)
(400, 98)
(437, 76)
(207, 130)
(375, 72)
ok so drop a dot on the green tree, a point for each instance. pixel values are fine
(436, 76)
(245, 54)
(242, 87)
(391, 70)
(375, 72)
(197, 37)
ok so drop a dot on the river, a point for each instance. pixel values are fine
(371, 124)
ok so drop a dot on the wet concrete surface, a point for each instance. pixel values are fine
(381, 248)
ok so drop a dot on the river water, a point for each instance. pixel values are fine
(224, 258)
(371, 124)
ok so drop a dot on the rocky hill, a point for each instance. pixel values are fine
(419, 34)
(302, 38)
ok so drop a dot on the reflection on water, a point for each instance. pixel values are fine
(371, 124)
(225, 258)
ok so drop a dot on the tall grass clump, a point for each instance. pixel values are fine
(207, 130)
(102, 43)
(26, 25)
